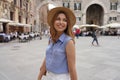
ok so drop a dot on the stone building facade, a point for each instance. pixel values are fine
(17, 15)
(21, 14)
(99, 12)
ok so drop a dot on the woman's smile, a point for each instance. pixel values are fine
(60, 23)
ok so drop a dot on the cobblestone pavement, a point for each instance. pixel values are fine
(21, 61)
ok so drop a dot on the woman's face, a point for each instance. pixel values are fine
(60, 23)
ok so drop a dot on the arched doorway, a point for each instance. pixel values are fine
(41, 15)
(43, 11)
(95, 14)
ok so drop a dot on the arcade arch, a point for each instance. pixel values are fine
(101, 7)
(41, 15)
(94, 14)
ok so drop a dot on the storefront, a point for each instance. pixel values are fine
(3, 24)
(7, 26)
(19, 27)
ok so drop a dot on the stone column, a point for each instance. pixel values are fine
(106, 18)
(84, 18)
(7, 28)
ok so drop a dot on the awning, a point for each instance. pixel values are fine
(28, 25)
(19, 24)
(3, 20)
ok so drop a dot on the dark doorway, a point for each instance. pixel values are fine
(95, 15)
(4, 27)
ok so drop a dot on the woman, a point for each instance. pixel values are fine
(59, 63)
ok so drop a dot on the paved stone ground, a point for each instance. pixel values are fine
(21, 61)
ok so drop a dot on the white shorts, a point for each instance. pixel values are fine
(53, 76)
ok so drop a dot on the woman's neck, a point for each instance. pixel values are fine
(58, 35)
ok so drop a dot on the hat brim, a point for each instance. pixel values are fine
(67, 11)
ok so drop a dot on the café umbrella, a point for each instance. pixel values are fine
(76, 26)
(89, 26)
(113, 25)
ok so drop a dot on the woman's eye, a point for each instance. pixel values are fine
(59, 19)
(65, 20)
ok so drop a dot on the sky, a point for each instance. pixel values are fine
(50, 6)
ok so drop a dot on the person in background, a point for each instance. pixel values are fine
(77, 32)
(60, 60)
(94, 36)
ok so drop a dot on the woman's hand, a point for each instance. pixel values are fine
(42, 70)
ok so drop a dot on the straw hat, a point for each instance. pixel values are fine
(68, 12)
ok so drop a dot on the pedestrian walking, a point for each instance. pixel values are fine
(77, 33)
(94, 36)
(59, 63)
(40, 35)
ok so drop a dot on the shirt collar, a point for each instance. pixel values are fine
(62, 37)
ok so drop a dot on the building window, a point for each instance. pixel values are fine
(11, 15)
(20, 3)
(113, 5)
(115, 18)
(112, 18)
(19, 19)
(78, 18)
(26, 20)
(77, 6)
(15, 2)
(66, 4)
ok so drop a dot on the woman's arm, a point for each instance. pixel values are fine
(42, 70)
(70, 51)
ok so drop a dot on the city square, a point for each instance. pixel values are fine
(25, 30)
(22, 60)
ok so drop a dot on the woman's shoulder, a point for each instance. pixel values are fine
(68, 39)
(67, 36)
